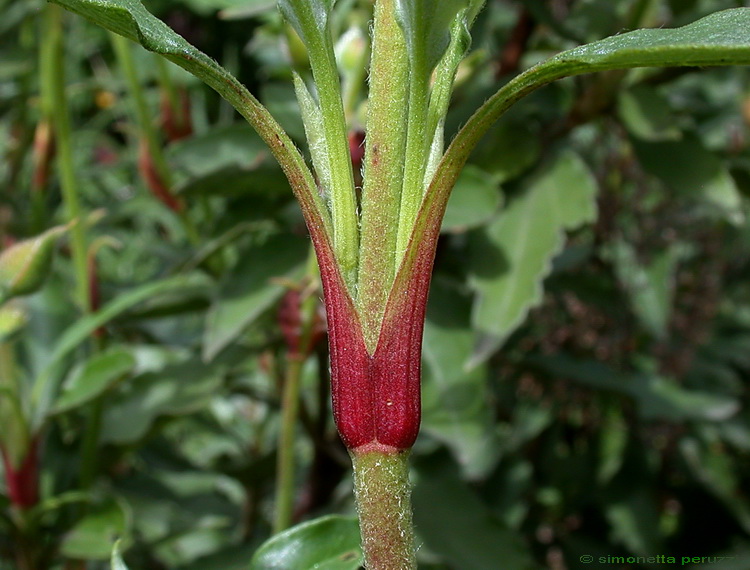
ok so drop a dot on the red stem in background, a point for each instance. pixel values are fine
(23, 482)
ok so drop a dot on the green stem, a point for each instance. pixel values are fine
(343, 196)
(417, 148)
(387, 118)
(55, 103)
(290, 405)
(383, 493)
(285, 465)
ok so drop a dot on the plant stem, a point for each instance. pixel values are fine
(343, 197)
(383, 166)
(381, 486)
(55, 102)
(290, 405)
(285, 467)
(417, 145)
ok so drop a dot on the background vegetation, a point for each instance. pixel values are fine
(584, 390)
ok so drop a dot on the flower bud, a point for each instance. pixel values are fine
(25, 265)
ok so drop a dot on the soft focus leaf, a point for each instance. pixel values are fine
(650, 288)
(93, 378)
(251, 289)
(456, 401)
(454, 523)
(474, 200)
(45, 388)
(327, 543)
(93, 536)
(519, 246)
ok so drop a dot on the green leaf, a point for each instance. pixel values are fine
(520, 245)
(173, 390)
(455, 524)
(251, 288)
(456, 402)
(657, 397)
(427, 26)
(647, 114)
(327, 543)
(234, 146)
(93, 536)
(474, 201)
(309, 18)
(93, 378)
(649, 288)
(688, 169)
(312, 118)
(45, 388)
(722, 38)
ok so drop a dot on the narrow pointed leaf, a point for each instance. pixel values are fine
(312, 117)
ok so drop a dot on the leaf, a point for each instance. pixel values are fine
(657, 397)
(175, 389)
(13, 317)
(722, 38)
(635, 522)
(650, 288)
(45, 384)
(234, 146)
(474, 201)
(250, 289)
(327, 543)
(309, 18)
(455, 524)
(93, 536)
(312, 118)
(688, 169)
(521, 243)
(93, 378)
(456, 403)
(646, 113)
(427, 26)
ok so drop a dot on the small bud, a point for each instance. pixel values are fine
(25, 265)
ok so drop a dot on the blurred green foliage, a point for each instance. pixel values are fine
(585, 388)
